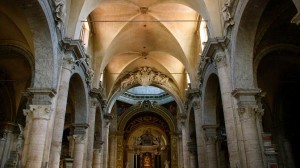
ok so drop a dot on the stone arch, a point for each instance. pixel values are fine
(44, 37)
(116, 94)
(16, 60)
(210, 100)
(273, 48)
(78, 88)
(242, 53)
(131, 112)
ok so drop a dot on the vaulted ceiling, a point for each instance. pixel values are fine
(158, 34)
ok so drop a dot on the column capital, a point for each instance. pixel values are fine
(98, 144)
(98, 93)
(93, 102)
(193, 98)
(79, 132)
(182, 118)
(210, 131)
(79, 138)
(220, 59)
(211, 140)
(248, 102)
(69, 62)
(40, 111)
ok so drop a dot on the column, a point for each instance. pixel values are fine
(184, 145)
(211, 149)
(248, 111)
(114, 158)
(26, 135)
(108, 119)
(195, 96)
(193, 154)
(41, 111)
(90, 144)
(231, 123)
(79, 140)
(97, 152)
(61, 105)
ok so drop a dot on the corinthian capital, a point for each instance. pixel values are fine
(41, 111)
(220, 59)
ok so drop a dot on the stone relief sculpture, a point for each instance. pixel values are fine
(146, 76)
(228, 20)
(60, 12)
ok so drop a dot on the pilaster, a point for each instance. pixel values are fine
(60, 110)
(248, 111)
(211, 149)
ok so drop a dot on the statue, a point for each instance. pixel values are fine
(226, 15)
(166, 163)
(60, 12)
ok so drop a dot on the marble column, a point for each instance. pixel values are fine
(97, 152)
(195, 99)
(113, 150)
(193, 154)
(248, 111)
(237, 157)
(79, 144)
(61, 105)
(106, 141)
(211, 149)
(41, 111)
(184, 144)
(26, 135)
(91, 133)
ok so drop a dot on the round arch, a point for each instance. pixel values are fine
(139, 108)
(78, 90)
(245, 28)
(44, 41)
(116, 94)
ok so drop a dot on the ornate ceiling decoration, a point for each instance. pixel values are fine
(145, 76)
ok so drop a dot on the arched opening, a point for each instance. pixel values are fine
(278, 69)
(147, 140)
(214, 124)
(192, 140)
(75, 120)
(15, 78)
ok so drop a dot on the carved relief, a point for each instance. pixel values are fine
(60, 12)
(89, 76)
(145, 76)
(228, 20)
(41, 111)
